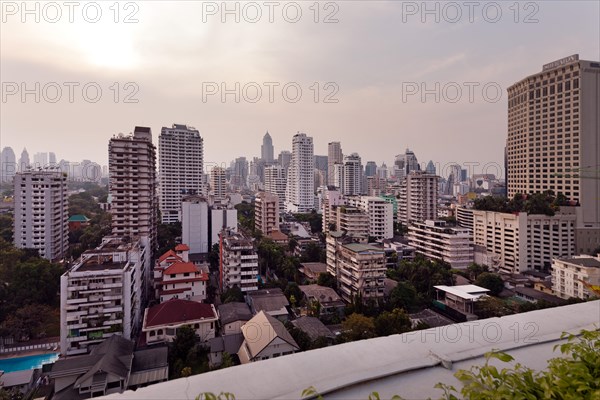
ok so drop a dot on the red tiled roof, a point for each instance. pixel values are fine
(168, 254)
(176, 311)
(181, 268)
(182, 247)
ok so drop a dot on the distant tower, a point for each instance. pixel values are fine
(132, 186)
(24, 162)
(334, 156)
(301, 175)
(284, 159)
(430, 169)
(9, 165)
(275, 183)
(266, 150)
(370, 168)
(42, 212)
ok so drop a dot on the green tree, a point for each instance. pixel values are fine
(490, 281)
(326, 279)
(358, 327)
(313, 253)
(233, 294)
(404, 295)
(6, 227)
(390, 323)
(474, 270)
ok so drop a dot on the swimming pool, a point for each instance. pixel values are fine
(27, 362)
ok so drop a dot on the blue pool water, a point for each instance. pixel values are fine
(27, 362)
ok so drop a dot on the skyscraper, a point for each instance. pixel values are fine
(430, 169)
(40, 160)
(132, 186)
(266, 150)
(334, 156)
(301, 175)
(181, 164)
(371, 168)
(554, 139)
(42, 212)
(239, 175)
(8, 164)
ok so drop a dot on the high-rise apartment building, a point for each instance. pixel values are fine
(514, 243)
(266, 212)
(180, 168)
(379, 212)
(418, 197)
(218, 183)
(352, 175)
(238, 262)
(284, 159)
(334, 156)
(266, 150)
(41, 212)
(359, 268)
(275, 182)
(132, 186)
(436, 240)
(40, 160)
(554, 139)
(194, 224)
(300, 196)
(102, 295)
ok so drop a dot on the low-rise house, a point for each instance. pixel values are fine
(162, 321)
(150, 365)
(461, 299)
(17, 380)
(329, 302)
(271, 301)
(77, 222)
(223, 344)
(533, 296)
(232, 316)
(103, 371)
(278, 237)
(312, 270)
(265, 337)
(314, 328)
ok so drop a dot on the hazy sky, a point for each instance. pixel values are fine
(377, 55)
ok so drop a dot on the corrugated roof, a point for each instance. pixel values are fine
(235, 311)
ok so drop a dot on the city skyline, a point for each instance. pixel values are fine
(370, 88)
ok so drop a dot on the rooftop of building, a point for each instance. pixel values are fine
(177, 311)
(234, 311)
(313, 327)
(466, 292)
(408, 365)
(537, 295)
(180, 267)
(584, 261)
(363, 248)
(78, 218)
(268, 300)
(322, 293)
(261, 330)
